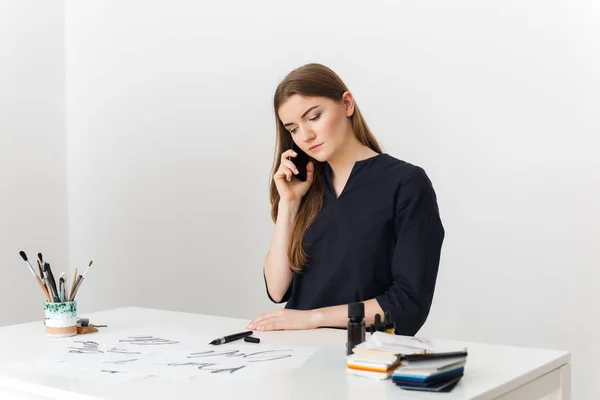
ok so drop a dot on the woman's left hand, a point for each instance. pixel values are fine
(284, 319)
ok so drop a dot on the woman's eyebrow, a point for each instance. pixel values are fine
(303, 115)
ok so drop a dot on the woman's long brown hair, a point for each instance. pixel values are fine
(311, 80)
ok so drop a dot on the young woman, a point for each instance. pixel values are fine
(363, 227)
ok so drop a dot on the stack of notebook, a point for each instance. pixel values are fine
(412, 363)
(431, 372)
(376, 366)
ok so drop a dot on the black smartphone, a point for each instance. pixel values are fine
(300, 162)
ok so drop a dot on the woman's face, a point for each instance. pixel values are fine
(318, 125)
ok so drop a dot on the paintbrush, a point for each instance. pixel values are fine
(52, 282)
(40, 262)
(73, 284)
(42, 276)
(79, 280)
(61, 287)
(37, 278)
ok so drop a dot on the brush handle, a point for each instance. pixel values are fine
(52, 284)
(76, 289)
(40, 268)
(44, 291)
(30, 268)
(48, 288)
(74, 282)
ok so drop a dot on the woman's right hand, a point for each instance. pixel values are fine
(292, 190)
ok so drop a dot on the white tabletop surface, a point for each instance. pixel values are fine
(491, 370)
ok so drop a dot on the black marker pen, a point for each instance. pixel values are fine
(231, 338)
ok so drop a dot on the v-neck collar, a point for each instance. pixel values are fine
(356, 168)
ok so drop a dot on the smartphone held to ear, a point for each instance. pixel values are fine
(300, 162)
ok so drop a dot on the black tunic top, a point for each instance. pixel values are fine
(381, 238)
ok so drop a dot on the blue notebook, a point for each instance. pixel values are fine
(428, 378)
(445, 385)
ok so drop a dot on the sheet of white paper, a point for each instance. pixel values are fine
(115, 345)
(67, 370)
(125, 355)
(232, 361)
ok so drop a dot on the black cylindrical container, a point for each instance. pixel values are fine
(356, 325)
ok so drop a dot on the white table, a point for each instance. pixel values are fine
(492, 371)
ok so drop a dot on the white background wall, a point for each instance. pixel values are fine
(170, 137)
(33, 195)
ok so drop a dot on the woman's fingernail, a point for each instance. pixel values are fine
(296, 171)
